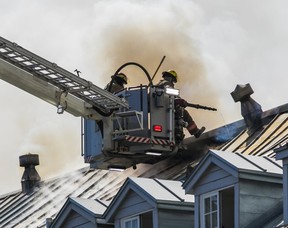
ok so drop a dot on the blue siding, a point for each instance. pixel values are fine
(77, 221)
(132, 205)
(214, 178)
(257, 198)
(173, 218)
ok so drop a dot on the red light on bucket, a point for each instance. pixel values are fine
(157, 128)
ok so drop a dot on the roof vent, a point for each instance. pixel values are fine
(250, 109)
(30, 178)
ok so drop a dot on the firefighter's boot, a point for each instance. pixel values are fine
(194, 130)
(199, 132)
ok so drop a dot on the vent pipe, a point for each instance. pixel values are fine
(30, 178)
(250, 109)
(282, 154)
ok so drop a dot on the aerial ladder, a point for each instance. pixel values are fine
(54, 84)
(119, 130)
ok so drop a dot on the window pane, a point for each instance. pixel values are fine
(131, 223)
(214, 219)
(134, 223)
(207, 221)
(207, 205)
(214, 202)
(128, 224)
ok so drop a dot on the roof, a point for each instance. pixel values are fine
(96, 207)
(156, 192)
(239, 166)
(163, 189)
(16, 208)
(244, 163)
(262, 143)
(32, 210)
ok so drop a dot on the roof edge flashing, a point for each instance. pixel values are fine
(260, 176)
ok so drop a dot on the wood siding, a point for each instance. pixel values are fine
(256, 198)
(77, 221)
(172, 219)
(214, 178)
(132, 205)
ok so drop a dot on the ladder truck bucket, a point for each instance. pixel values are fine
(144, 133)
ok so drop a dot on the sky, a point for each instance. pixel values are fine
(212, 45)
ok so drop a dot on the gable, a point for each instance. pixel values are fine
(70, 217)
(77, 211)
(236, 165)
(210, 168)
(132, 204)
(74, 219)
(214, 178)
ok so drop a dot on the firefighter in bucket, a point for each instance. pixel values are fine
(182, 116)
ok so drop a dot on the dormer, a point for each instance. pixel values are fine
(235, 190)
(151, 203)
(79, 212)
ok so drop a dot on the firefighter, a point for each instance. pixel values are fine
(117, 83)
(169, 78)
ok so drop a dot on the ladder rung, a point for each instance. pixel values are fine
(128, 113)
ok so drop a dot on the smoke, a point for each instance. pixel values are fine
(158, 28)
(57, 145)
(213, 46)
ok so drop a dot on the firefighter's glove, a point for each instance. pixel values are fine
(181, 102)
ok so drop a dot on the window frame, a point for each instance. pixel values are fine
(202, 208)
(130, 219)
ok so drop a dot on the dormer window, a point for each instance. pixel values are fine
(217, 208)
(133, 222)
(235, 190)
(144, 220)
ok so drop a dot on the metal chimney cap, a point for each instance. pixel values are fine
(242, 92)
(29, 159)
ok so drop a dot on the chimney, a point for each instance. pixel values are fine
(250, 109)
(30, 178)
(282, 154)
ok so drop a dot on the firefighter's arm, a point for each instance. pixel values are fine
(181, 102)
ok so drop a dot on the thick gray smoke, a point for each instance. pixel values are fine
(213, 46)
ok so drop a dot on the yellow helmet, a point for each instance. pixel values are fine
(122, 76)
(171, 73)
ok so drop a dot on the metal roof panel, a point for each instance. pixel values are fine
(250, 162)
(274, 134)
(94, 206)
(157, 191)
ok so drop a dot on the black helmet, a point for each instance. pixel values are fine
(121, 76)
